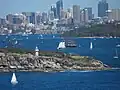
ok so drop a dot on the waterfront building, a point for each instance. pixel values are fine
(59, 7)
(76, 14)
(102, 8)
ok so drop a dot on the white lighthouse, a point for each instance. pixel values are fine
(36, 51)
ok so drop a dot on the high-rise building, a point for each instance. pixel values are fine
(51, 15)
(69, 12)
(114, 14)
(53, 8)
(44, 17)
(86, 15)
(89, 9)
(59, 7)
(15, 18)
(38, 18)
(30, 17)
(63, 14)
(82, 16)
(9, 18)
(2, 21)
(102, 8)
(76, 14)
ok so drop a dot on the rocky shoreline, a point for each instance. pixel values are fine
(10, 62)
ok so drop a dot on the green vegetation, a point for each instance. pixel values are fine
(95, 30)
(14, 50)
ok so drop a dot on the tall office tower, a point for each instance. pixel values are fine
(2, 21)
(89, 9)
(76, 14)
(82, 16)
(15, 18)
(51, 15)
(86, 15)
(63, 14)
(9, 18)
(102, 8)
(53, 8)
(38, 18)
(69, 12)
(44, 17)
(114, 14)
(59, 8)
(30, 17)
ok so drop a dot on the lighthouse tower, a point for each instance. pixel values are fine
(36, 51)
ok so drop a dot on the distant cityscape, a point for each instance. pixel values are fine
(57, 19)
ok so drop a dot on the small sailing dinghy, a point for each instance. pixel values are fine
(116, 56)
(14, 79)
(91, 46)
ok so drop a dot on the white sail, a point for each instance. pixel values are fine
(14, 80)
(116, 56)
(16, 42)
(61, 45)
(91, 46)
(118, 45)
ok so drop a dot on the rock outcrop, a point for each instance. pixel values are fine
(28, 62)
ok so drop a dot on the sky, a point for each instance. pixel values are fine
(17, 6)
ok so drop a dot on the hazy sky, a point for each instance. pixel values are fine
(16, 6)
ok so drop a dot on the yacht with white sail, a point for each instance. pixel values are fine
(14, 79)
(116, 54)
(91, 46)
(61, 45)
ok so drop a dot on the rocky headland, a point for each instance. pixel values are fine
(46, 62)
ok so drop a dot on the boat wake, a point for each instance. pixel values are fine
(83, 71)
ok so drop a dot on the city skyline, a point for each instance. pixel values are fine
(7, 7)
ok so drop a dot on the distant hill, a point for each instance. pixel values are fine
(95, 30)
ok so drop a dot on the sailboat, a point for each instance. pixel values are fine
(16, 42)
(116, 56)
(118, 45)
(61, 45)
(53, 36)
(91, 46)
(14, 80)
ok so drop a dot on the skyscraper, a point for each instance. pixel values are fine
(76, 14)
(89, 9)
(53, 8)
(59, 7)
(102, 8)
(114, 14)
(30, 16)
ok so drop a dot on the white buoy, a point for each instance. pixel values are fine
(14, 80)
(36, 51)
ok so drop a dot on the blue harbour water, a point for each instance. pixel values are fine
(103, 49)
